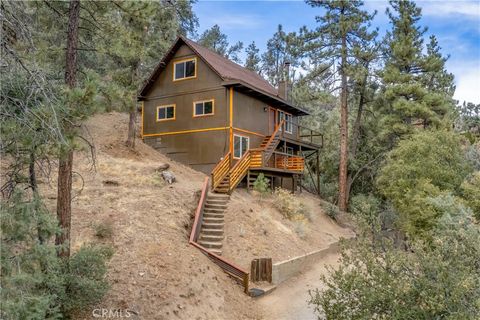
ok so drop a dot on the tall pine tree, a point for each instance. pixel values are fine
(342, 28)
(417, 90)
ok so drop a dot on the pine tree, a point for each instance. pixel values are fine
(417, 90)
(281, 48)
(134, 37)
(252, 61)
(217, 41)
(343, 27)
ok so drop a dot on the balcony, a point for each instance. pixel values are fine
(278, 161)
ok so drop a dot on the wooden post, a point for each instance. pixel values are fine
(318, 172)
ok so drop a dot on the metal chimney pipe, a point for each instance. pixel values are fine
(287, 78)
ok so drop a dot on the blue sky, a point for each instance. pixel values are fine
(455, 23)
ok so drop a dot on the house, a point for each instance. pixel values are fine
(210, 113)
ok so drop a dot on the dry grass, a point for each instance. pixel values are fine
(256, 227)
(154, 271)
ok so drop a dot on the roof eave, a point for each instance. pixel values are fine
(279, 101)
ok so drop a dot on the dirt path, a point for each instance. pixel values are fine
(289, 300)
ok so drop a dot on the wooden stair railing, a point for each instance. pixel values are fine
(229, 267)
(221, 170)
(239, 170)
(273, 141)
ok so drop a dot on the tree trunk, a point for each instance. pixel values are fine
(31, 173)
(132, 128)
(356, 132)
(64, 203)
(64, 188)
(342, 176)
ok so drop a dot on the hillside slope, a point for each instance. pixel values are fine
(154, 272)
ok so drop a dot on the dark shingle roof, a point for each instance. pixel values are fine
(229, 71)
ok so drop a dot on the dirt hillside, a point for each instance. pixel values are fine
(121, 200)
(255, 228)
(154, 272)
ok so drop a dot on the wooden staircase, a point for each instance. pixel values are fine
(211, 232)
(226, 177)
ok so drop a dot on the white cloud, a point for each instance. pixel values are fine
(448, 8)
(235, 21)
(467, 80)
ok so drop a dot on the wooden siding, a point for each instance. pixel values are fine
(249, 115)
(199, 142)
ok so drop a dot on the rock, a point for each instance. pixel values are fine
(112, 183)
(168, 176)
(162, 167)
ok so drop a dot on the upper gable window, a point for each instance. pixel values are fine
(203, 108)
(185, 69)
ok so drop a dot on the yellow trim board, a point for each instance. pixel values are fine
(141, 128)
(184, 131)
(230, 149)
(249, 132)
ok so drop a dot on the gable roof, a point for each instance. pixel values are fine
(231, 73)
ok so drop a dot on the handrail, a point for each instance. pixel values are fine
(238, 273)
(275, 131)
(221, 170)
(199, 213)
(239, 170)
(312, 133)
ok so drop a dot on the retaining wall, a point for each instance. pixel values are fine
(284, 270)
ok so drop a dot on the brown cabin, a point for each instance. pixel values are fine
(218, 117)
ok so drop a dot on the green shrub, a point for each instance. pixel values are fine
(471, 193)
(104, 230)
(36, 283)
(331, 210)
(439, 279)
(289, 205)
(423, 166)
(261, 184)
(85, 277)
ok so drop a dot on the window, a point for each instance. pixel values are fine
(166, 112)
(203, 108)
(240, 145)
(288, 121)
(290, 151)
(185, 69)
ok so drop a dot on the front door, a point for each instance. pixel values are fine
(272, 121)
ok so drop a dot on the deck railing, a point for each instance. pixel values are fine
(288, 162)
(305, 134)
(236, 272)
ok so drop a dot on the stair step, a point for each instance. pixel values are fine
(213, 215)
(216, 232)
(213, 220)
(218, 226)
(214, 196)
(215, 206)
(217, 201)
(210, 244)
(216, 251)
(214, 211)
(210, 237)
